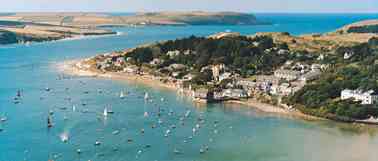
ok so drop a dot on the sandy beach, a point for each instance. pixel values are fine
(70, 68)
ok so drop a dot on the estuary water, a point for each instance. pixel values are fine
(134, 131)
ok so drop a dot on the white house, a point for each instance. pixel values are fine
(287, 74)
(366, 98)
(246, 83)
(284, 89)
(348, 54)
(174, 53)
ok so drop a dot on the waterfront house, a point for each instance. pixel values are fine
(234, 93)
(248, 85)
(366, 97)
(287, 74)
(201, 94)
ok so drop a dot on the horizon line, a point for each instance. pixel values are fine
(251, 12)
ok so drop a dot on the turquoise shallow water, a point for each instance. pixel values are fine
(241, 134)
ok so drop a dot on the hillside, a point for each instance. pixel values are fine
(367, 26)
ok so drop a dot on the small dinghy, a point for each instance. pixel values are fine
(3, 119)
(116, 132)
(187, 114)
(97, 143)
(49, 122)
(176, 151)
(202, 151)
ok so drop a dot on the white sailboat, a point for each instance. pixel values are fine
(105, 112)
(146, 96)
(145, 114)
(121, 95)
(73, 108)
(64, 137)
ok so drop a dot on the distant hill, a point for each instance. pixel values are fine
(194, 18)
(149, 18)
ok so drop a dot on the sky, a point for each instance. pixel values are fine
(281, 6)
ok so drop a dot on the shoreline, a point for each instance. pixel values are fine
(36, 40)
(70, 68)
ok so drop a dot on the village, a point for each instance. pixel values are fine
(285, 81)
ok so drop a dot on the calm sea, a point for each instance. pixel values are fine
(227, 132)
